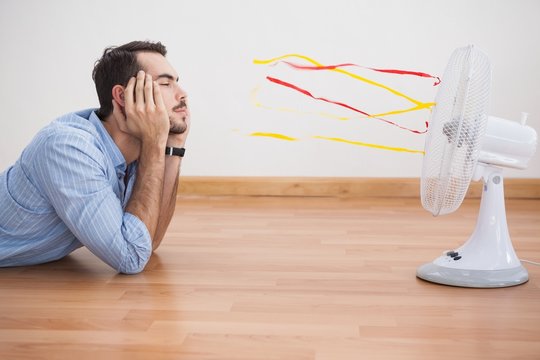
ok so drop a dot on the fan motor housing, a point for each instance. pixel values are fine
(507, 143)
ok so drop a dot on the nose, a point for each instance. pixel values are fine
(180, 93)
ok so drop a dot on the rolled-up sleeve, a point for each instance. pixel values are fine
(72, 171)
(138, 251)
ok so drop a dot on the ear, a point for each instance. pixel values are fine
(118, 94)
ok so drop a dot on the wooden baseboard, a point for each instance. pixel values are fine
(334, 187)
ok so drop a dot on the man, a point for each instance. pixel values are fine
(105, 178)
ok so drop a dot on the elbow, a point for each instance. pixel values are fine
(135, 261)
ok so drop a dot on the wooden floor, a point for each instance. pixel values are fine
(280, 278)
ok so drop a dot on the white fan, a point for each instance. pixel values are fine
(463, 143)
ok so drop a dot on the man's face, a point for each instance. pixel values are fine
(174, 97)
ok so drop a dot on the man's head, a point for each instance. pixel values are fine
(118, 64)
(116, 67)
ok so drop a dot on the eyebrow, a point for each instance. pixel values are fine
(167, 76)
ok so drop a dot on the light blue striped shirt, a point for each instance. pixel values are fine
(69, 189)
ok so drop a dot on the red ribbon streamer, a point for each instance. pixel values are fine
(305, 92)
(390, 71)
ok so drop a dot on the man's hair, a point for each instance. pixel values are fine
(117, 65)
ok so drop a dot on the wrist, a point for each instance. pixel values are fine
(159, 142)
(176, 140)
(152, 148)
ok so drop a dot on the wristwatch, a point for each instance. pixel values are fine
(174, 151)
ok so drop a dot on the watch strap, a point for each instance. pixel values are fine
(169, 150)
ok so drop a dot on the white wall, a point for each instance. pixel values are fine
(49, 47)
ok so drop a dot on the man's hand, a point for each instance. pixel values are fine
(145, 116)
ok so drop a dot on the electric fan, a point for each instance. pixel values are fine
(465, 144)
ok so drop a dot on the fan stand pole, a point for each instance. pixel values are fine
(487, 259)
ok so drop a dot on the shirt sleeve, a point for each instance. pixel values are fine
(73, 173)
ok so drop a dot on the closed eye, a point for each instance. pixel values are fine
(167, 79)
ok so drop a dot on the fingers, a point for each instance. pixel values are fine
(129, 92)
(139, 91)
(148, 92)
(158, 99)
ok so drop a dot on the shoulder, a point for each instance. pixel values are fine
(73, 130)
(76, 126)
(70, 138)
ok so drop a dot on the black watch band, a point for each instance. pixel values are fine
(174, 151)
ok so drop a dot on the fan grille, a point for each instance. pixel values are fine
(457, 126)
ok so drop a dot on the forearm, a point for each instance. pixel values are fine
(168, 203)
(146, 198)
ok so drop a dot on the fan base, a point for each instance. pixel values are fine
(473, 278)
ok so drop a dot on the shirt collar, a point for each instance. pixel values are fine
(114, 152)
